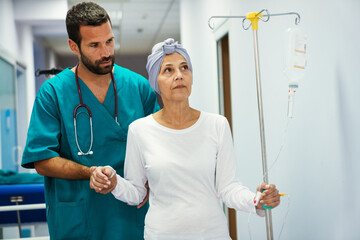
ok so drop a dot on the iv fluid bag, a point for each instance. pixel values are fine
(296, 56)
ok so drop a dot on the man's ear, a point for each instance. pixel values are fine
(74, 47)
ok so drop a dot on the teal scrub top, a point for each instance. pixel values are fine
(74, 211)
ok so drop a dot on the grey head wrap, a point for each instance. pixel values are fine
(155, 59)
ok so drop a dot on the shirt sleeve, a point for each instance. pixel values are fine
(131, 188)
(44, 130)
(229, 188)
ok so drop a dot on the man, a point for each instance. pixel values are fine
(80, 119)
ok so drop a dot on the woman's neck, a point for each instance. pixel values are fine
(177, 115)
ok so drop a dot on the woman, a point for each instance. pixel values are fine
(185, 155)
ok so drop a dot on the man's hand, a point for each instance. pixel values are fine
(101, 180)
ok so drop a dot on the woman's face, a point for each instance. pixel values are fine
(175, 78)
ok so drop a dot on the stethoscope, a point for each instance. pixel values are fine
(89, 152)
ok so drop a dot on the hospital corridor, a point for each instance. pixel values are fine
(179, 119)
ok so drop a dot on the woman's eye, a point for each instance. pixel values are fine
(185, 67)
(167, 70)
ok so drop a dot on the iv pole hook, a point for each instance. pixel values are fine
(264, 18)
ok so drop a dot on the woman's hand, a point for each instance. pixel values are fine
(270, 197)
(103, 179)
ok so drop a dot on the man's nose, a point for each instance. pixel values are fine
(105, 51)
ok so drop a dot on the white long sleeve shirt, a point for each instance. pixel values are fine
(189, 171)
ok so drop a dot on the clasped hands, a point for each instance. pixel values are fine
(103, 180)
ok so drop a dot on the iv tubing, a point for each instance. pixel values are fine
(265, 174)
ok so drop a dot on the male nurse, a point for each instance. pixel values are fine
(80, 119)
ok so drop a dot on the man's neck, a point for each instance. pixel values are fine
(92, 78)
(97, 83)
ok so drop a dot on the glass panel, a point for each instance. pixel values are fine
(8, 116)
(21, 115)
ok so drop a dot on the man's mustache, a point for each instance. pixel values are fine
(105, 59)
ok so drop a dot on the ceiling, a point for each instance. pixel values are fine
(137, 24)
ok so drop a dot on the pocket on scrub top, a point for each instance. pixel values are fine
(71, 220)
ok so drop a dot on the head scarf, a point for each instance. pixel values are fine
(155, 59)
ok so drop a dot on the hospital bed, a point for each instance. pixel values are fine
(21, 204)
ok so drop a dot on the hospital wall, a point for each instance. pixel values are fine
(21, 49)
(319, 162)
(8, 53)
(16, 41)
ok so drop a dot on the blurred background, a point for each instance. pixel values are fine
(320, 147)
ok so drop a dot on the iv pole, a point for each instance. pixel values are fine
(254, 17)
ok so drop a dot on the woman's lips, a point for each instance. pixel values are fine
(179, 86)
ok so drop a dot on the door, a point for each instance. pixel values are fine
(225, 105)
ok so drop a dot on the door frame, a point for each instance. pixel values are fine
(221, 31)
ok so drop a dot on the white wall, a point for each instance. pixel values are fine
(26, 56)
(198, 39)
(318, 165)
(16, 40)
(7, 27)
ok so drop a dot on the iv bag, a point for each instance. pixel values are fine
(296, 56)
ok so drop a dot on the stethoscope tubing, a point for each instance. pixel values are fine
(80, 153)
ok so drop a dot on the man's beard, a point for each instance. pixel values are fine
(96, 68)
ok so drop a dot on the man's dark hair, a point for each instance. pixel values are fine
(84, 14)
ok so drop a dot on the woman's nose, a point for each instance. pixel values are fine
(178, 75)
